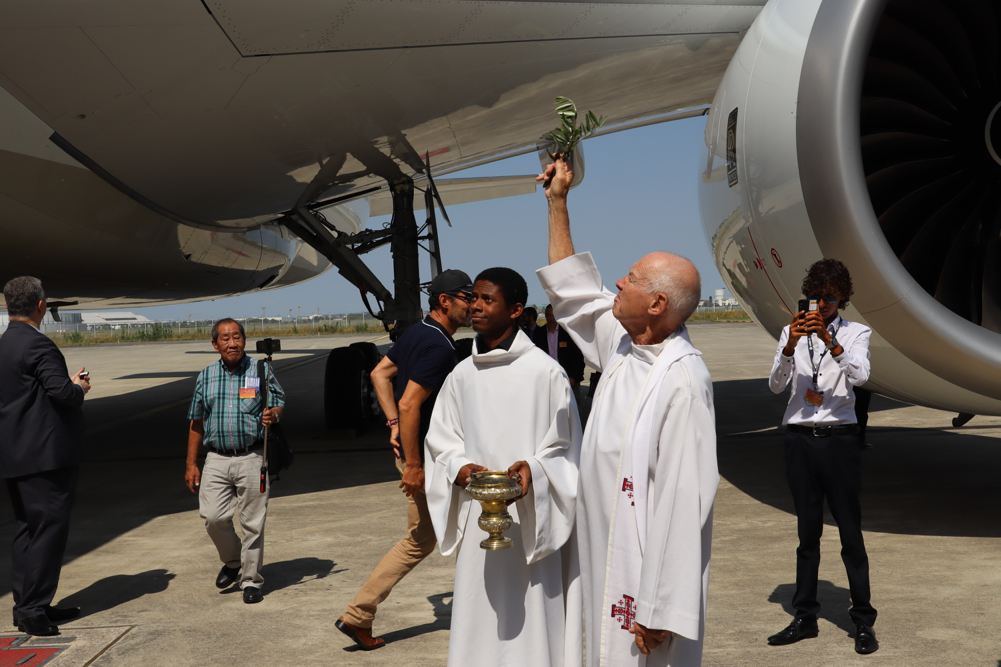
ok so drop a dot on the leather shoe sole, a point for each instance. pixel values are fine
(226, 576)
(38, 626)
(360, 636)
(795, 631)
(252, 595)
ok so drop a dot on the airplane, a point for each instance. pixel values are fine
(196, 149)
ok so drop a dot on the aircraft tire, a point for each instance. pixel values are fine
(344, 389)
(370, 402)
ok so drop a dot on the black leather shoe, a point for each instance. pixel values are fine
(865, 639)
(58, 615)
(227, 575)
(39, 626)
(800, 628)
(252, 595)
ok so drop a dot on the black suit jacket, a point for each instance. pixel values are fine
(41, 424)
(569, 355)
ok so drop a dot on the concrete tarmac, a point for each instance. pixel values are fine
(141, 567)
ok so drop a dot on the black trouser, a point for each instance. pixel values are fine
(819, 468)
(862, 400)
(42, 504)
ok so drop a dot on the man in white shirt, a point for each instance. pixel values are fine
(824, 357)
(557, 343)
(648, 473)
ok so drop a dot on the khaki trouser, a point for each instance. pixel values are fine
(397, 563)
(228, 481)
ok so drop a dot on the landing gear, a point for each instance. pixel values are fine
(349, 399)
(961, 419)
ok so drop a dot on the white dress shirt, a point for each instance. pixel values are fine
(836, 376)
(553, 340)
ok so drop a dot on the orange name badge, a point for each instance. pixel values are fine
(814, 398)
(563, 344)
(248, 392)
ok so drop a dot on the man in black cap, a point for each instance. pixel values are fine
(420, 361)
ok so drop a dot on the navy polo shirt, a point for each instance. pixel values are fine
(425, 353)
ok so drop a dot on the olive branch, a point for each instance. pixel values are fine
(569, 134)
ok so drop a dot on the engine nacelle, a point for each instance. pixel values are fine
(864, 130)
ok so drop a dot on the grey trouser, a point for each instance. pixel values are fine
(226, 482)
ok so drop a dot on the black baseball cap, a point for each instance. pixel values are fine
(450, 282)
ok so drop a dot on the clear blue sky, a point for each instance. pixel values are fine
(639, 194)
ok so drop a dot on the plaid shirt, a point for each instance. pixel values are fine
(232, 422)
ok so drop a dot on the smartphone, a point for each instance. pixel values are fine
(803, 306)
(269, 346)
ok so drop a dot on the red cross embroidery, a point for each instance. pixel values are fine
(627, 486)
(625, 612)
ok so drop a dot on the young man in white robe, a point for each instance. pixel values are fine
(507, 407)
(648, 474)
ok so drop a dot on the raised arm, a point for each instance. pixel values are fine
(557, 179)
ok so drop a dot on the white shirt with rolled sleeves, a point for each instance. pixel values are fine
(836, 376)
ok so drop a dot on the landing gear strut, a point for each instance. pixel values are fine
(349, 398)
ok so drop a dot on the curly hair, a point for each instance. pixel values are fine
(512, 285)
(828, 272)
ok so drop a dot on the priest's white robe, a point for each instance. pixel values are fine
(648, 479)
(509, 607)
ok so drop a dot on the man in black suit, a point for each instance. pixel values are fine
(556, 342)
(40, 436)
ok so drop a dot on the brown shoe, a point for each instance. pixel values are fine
(361, 636)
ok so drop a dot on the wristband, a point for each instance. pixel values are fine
(392, 422)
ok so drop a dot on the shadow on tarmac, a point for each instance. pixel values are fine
(915, 481)
(834, 603)
(295, 572)
(134, 455)
(116, 590)
(442, 621)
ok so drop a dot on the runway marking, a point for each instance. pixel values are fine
(79, 649)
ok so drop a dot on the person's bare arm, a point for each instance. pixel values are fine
(382, 380)
(192, 476)
(410, 427)
(557, 178)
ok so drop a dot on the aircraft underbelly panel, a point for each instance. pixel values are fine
(166, 103)
(307, 26)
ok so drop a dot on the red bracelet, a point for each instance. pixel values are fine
(392, 422)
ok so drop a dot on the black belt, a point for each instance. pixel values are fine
(824, 431)
(238, 452)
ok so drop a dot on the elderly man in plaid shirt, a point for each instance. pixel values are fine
(228, 416)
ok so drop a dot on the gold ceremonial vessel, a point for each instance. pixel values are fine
(493, 488)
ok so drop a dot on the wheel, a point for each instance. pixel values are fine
(345, 389)
(370, 401)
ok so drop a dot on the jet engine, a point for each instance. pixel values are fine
(868, 131)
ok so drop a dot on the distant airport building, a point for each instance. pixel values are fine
(85, 321)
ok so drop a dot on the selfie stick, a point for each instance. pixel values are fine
(267, 399)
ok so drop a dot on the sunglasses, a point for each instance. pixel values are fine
(826, 298)
(465, 296)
